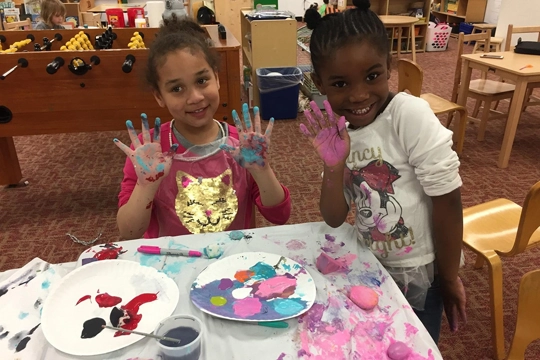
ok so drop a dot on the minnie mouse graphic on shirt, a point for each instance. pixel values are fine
(378, 214)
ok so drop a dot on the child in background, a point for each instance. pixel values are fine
(177, 179)
(322, 8)
(53, 13)
(390, 155)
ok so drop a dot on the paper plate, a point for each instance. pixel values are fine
(247, 287)
(62, 318)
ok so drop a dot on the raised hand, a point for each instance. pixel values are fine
(150, 163)
(329, 136)
(252, 150)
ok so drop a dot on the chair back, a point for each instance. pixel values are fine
(410, 77)
(529, 220)
(486, 37)
(18, 25)
(528, 317)
(519, 30)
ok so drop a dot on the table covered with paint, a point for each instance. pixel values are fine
(334, 327)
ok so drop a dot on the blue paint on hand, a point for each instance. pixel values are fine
(160, 167)
(129, 125)
(245, 113)
(226, 147)
(142, 164)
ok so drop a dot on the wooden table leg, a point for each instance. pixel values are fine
(10, 170)
(462, 97)
(511, 124)
(400, 34)
(413, 42)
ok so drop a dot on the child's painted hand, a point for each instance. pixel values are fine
(329, 136)
(454, 300)
(150, 163)
(252, 150)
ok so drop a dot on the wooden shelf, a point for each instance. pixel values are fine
(267, 43)
(467, 10)
(449, 14)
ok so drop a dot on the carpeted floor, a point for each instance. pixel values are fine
(74, 180)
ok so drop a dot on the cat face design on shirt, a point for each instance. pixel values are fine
(206, 204)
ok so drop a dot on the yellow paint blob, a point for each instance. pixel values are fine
(218, 300)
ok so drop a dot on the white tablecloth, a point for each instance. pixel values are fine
(334, 328)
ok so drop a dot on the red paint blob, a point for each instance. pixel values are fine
(85, 297)
(111, 251)
(132, 309)
(149, 205)
(154, 179)
(106, 300)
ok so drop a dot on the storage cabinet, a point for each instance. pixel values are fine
(267, 43)
(456, 11)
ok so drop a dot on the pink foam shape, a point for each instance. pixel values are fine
(326, 265)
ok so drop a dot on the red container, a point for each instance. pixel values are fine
(134, 13)
(115, 18)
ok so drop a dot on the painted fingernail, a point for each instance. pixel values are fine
(158, 121)
(234, 113)
(115, 140)
(143, 115)
(129, 123)
(174, 147)
(255, 109)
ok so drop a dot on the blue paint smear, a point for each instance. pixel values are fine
(252, 155)
(45, 284)
(142, 164)
(262, 271)
(288, 307)
(286, 267)
(22, 315)
(236, 235)
(149, 260)
(172, 269)
(160, 167)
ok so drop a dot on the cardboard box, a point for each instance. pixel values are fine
(75, 8)
(91, 19)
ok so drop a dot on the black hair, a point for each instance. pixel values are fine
(178, 34)
(333, 31)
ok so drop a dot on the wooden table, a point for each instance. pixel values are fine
(511, 67)
(399, 22)
(34, 102)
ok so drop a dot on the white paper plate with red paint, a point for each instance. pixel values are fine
(112, 284)
(248, 287)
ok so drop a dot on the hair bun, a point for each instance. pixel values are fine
(362, 4)
(312, 18)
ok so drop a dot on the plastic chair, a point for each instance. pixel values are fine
(528, 316)
(501, 228)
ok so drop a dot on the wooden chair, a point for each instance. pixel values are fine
(531, 100)
(528, 316)
(495, 43)
(18, 25)
(501, 228)
(411, 77)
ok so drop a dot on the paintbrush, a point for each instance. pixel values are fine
(141, 333)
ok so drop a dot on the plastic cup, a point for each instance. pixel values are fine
(188, 329)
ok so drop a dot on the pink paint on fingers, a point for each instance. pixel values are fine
(305, 130)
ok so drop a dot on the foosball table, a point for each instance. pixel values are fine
(83, 80)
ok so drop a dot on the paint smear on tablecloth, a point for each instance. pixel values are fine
(331, 245)
(339, 330)
(296, 245)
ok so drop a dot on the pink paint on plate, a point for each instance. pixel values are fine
(296, 245)
(279, 286)
(247, 307)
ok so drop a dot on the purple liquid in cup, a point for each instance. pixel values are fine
(188, 329)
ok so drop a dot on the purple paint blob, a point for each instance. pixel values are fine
(225, 284)
(330, 237)
(296, 245)
(281, 356)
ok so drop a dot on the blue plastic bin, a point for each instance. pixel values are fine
(279, 93)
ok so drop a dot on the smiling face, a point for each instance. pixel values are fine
(189, 88)
(355, 80)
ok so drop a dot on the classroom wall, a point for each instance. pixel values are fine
(518, 13)
(492, 11)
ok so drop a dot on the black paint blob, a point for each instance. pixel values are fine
(92, 327)
(115, 316)
(22, 344)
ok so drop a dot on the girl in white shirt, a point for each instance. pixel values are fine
(391, 157)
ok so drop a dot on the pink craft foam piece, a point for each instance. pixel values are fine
(326, 265)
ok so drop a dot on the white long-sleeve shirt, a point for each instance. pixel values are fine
(396, 163)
